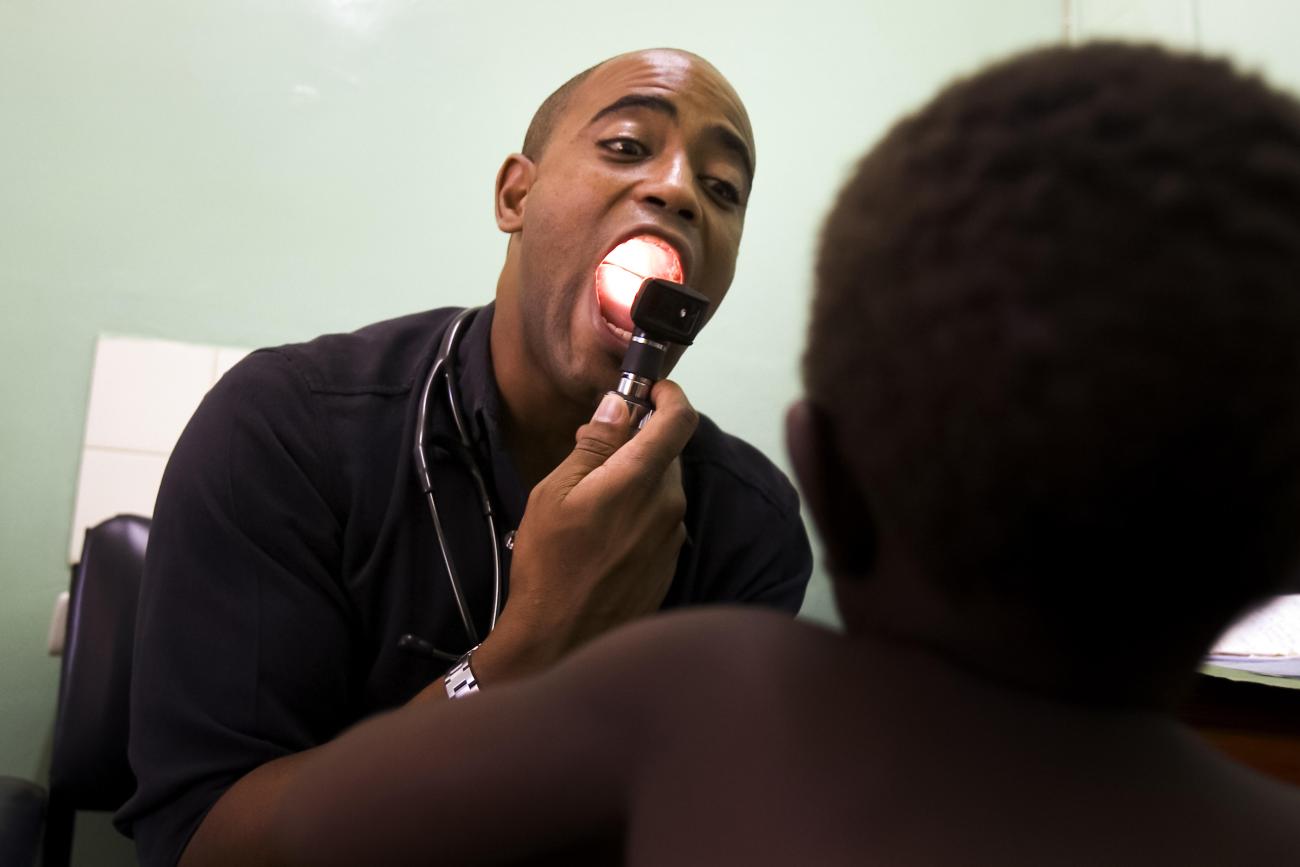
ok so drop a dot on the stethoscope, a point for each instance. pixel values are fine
(462, 448)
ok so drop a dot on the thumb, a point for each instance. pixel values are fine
(599, 438)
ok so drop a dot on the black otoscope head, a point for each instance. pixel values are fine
(664, 313)
(669, 312)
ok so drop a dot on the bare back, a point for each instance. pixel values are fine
(737, 737)
(790, 744)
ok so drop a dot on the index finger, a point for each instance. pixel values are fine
(665, 433)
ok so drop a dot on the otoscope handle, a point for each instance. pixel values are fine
(643, 365)
(663, 313)
(644, 360)
(635, 391)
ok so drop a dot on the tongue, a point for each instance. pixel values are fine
(626, 267)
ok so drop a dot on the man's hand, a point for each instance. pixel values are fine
(599, 541)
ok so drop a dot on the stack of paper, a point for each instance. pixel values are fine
(1265, 641)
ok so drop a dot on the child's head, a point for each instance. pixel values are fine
(1057, 337)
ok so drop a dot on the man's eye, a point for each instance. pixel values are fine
(725, 191)
(624, 146)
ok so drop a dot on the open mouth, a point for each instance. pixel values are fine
(621, 273)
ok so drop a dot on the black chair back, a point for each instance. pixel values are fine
(22, 812)
(88, 764)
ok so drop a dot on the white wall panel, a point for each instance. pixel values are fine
(143, 391)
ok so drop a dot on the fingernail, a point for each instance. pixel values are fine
(610, 410)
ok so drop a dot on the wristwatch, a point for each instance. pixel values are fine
(460, 681)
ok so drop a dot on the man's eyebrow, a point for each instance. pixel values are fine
(736, 145)
(729, 139)
(637, 100)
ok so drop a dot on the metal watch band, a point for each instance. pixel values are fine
(460, 681)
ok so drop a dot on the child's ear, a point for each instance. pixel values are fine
(839, 510)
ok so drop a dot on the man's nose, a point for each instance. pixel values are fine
(672, 188)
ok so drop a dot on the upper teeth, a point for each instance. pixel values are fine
(647, 256)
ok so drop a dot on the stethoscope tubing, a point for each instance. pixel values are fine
(443, 364)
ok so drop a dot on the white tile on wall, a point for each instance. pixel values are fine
(144, 391)
(113, 482)
(227, 357)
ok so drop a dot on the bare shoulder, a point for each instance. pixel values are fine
(1250, 816)
(711, 638)
(704, 659)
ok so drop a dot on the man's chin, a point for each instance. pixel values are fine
(596, 378)
(592, 366)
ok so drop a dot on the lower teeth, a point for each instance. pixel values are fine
(622, 335)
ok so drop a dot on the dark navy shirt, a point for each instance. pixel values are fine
(291, 548)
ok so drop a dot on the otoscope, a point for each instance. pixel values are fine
(664, 313)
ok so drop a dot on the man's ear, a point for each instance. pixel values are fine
(838, 508)
(513, 183)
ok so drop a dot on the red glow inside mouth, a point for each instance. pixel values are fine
(626, 267)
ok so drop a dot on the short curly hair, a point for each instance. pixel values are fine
(1057, 333)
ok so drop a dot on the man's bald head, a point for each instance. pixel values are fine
(543, 122)
(553, 107)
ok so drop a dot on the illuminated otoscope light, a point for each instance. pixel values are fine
(664, 313)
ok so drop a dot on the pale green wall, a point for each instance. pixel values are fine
(246, 172)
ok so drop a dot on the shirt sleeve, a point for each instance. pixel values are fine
(774, 562)
(782, 580)
(747, 542)
(244, 637)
